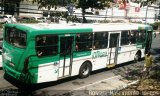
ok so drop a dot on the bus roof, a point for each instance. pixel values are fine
(86, 27)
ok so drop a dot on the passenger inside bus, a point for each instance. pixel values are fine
(133, 37)
(96, 45)
(46, 45)
(41, 42)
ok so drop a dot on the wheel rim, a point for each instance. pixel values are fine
(136, 58)
(85, 71)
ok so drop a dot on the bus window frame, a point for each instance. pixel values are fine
(82, 42)
(100, 40)
(128, 37)
(44, 56)
(22, 31)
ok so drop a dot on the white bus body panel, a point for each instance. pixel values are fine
(47, 72)
(99, 59)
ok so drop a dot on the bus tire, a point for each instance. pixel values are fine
(85, 70)
(137, 57)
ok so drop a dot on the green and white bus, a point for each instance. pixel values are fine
(36, 53)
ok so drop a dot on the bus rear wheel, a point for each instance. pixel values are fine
(85, 70)
(137, 57)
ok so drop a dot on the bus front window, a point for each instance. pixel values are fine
(16, 37)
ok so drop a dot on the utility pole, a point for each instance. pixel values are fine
(2, 7)
(146, 11)
(146, 15)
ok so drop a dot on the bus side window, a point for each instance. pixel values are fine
(83, 41)
(125, 38)
(47, 45)
(100, 40)
(77, 41)
(133, 36)
(142, 36)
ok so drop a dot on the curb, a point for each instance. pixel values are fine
(129, 84)
(91, 91)
(83, 87)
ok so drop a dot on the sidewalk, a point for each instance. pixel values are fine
(106, 87)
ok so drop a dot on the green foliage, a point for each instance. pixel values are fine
(84, 4)
(47, 3)
(72, 18)
(12, 1)
(155, 25)
(147, 2)
(1, 25)
(104, 21)
(98, 4)
(136, 22)
(118, 21)
(29, 21)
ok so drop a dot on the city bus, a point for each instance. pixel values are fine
(37, 53)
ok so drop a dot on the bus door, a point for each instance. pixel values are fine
(66, 56)
(148, 41)
(113, 48)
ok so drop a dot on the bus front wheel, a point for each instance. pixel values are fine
(85, 70)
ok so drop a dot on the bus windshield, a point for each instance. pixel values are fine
(16, 37)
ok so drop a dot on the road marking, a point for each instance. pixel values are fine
(96, 82)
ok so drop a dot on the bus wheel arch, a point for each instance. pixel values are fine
(85, 69)
(137, 56)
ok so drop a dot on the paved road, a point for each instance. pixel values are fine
(97, 77)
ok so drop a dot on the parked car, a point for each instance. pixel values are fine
(7, 18)
(40, 19)
(2, 19)
(24, 19)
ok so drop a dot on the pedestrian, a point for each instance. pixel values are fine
(148, 63)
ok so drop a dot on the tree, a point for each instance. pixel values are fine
(147, 2)
(84, 4)
(47, 3)
(9, 6)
